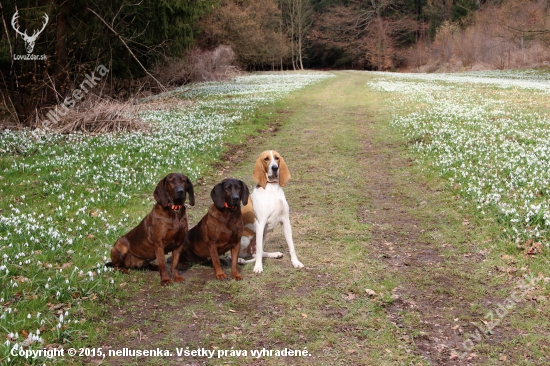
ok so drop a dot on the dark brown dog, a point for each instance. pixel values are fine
(220, 229)
(160, 232)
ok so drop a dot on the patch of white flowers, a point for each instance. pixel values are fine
(46, 237)
(486, 134)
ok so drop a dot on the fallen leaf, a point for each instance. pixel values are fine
(535, 249)
(64, 265)
(370, 292)
(349, 296)
(304, 315)
(232, 311)
(21, 279)
(53, 307)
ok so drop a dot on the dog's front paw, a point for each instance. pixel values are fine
(258, 268)
(221, 276)
(297, 264)
(178, 278)
(166, 282)
(237, 277)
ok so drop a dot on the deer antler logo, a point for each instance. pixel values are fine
(29, 40)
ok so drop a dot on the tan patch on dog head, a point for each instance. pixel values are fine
(284, 173)
(261, 168)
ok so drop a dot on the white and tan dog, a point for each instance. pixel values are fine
(266, 209)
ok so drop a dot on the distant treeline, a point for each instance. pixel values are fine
(148, 45)
(359, 34)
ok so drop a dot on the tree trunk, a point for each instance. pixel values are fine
(300, 52)
(57, 90)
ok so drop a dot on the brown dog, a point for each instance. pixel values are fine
(220, 229)
(160, 232)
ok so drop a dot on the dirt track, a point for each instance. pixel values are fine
(362, 218)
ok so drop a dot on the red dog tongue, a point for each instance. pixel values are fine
(230, 207)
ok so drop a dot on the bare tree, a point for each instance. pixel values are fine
(297, 17)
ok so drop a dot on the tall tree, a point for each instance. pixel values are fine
(297, 17)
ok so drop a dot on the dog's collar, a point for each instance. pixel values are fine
(229, 207)
(174, 207)
(273, 182)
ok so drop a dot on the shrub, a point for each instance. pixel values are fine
(509, 36)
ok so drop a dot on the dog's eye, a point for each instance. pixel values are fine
(276, 158)
(266, 159)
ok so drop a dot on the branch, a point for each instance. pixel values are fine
(542, 31)
(128, 48)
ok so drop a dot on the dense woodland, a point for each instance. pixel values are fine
(148, 46)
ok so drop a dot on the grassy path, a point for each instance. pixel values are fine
(363, 219)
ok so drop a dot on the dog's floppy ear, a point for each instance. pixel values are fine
(190, 191)
(245, 193)
(259, 174)
(160, 194)
(217, 196)
(284, 173)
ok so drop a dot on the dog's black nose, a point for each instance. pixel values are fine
(235, 200)
(180, 192)
(274, 168)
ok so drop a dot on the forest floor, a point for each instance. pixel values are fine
(396, 271)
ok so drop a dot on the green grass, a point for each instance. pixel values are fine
(323, 308)
(355, 186)
(66, 198)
